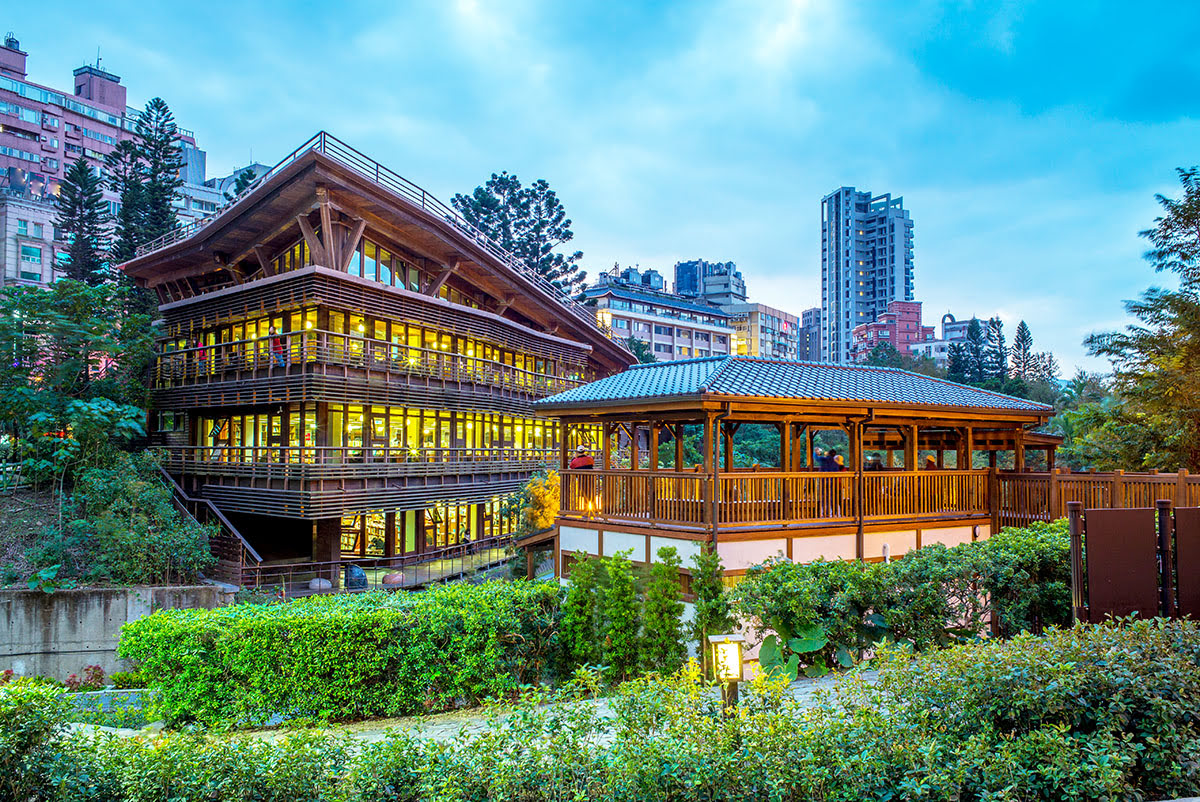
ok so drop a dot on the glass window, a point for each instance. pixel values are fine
(23, 228)
(31, 255)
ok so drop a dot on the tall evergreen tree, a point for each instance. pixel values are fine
(976, 351)
(162, 156)
(81, 220)
(530, 222)
(1024, 360)
(579, 625)
(957, 362)
(125, 176)
(996, 359)
(1156, 362)
(662, 643)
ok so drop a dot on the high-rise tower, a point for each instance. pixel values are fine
(866, 261)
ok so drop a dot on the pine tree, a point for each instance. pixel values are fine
(662, 642)
(622, 630)
(1046, 367)
(712, 613)
(580, 614)
(996, 359)
(529, 222)
(957, 362)
(125, 173)
(81, 219)
(242, 183)
(158, 146)
(976, 352)
(1024, 360)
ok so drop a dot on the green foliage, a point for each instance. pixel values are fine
(529, 222)
(580, 623)
(640, 350)
(622, 618)
(929, 598)
(1092, 712)
(346, 657)
(1155, 360)
(711, 611)
(33, 716)
(663, 649)
(124, 168)
(81, 220)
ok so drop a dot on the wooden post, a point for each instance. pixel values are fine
(606, 445)
(1019, 450)
(1181, 496)
(891, 457)
(994, 495)
(1053, 496)
(710, 489)
(911, 449)
(1116, 496)
(968, 462)
(1078, 591)
(654, 445)
(1050, 451)
(941, 458)
(727, 430)
(1165, 561)
(992, 459)
(653, 467)
(563, 430)
(785, 446)
(634, 462)
(678, 446)
(856, 430)
(809, 457)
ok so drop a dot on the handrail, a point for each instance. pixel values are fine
(367, 167)
(327, 347)
(214, 509)
(353, 455)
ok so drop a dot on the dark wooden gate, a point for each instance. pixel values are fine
(1142, 561)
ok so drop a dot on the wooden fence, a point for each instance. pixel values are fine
(1028, 497)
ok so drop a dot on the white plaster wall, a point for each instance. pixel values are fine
(745, 553)
(950, 536)
(898, 543)
(623, 541)
(686, 548)
(572, 539)
(827, 547)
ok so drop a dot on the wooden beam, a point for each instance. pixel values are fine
(329, 247)
(435, 286)
(505, 303)
(263, 261)
(316, 250)
(351, 245)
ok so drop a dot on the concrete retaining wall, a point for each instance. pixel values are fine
(56, 634)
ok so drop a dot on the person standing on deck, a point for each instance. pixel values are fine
(582, 460)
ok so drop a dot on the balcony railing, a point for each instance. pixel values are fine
(278, 353)
(302, 463)
(746, 499)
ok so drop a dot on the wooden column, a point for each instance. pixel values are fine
(727, 430)
(911, 449)
(634, 462)
(968, 450)
(678, 446)
(563, 430)
(710, 462)
(810, 461)
(991, 459)
(856, 432)
(1050, 457)
(785, 445)
(654, 445)
(606, 445)
(1019, 450)
(891, 458)
(941, 458)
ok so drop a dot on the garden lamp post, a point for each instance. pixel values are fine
(727, 666)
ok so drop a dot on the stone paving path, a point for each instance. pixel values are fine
(443, 727)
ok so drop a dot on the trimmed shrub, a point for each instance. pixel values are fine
(346, 657)
(931, 597)
(1093, 712)
(662, 612)
(622, 618)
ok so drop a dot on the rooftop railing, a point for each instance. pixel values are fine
(349, 157)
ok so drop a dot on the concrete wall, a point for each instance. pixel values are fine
(56, 634)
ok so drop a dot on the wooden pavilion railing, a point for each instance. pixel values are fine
(746, 499)
(234, 360)
(1028, 497)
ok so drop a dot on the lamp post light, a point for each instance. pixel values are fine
(727, 666)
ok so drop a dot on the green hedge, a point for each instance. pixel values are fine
(1094, 712)
(931, 597)
(345, 656)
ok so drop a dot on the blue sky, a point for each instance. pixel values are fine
(1027, 139)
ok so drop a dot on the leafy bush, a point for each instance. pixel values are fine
(930, 597)
(1093, 712)
(33, 716)
(622, 617)
(662, 613)
(346, 656)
